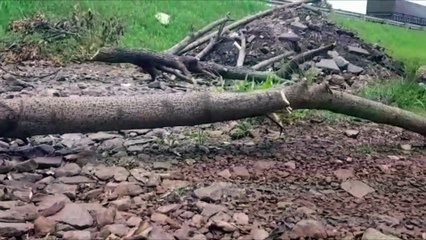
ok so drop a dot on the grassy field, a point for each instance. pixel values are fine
(404, 44)
(142, 28)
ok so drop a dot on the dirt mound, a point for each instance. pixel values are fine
(299, 30)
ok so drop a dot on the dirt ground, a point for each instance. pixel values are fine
(321, 178)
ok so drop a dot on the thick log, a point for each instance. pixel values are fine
(48, 115)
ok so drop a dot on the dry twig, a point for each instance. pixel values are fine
(242, 52)
(272, 60)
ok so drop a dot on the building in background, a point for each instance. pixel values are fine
(398, 10)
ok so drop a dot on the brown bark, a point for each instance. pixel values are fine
(193, 36)
(45, 115)
(239, 23)
(293, 65)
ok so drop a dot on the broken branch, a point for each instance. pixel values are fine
(286, 71)
(272, 60)
(242, 52)
(201, 55)
(191, 37)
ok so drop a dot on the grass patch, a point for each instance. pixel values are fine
(404, 94)
(406, 45)
(142, 29)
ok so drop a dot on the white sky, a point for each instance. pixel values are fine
(359, 6)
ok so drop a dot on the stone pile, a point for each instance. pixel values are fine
(300, 30)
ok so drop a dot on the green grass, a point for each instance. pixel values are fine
(142, 29)
(406, 45)
(404, 94)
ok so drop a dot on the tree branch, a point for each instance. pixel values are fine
(201, 55)
(191, 37)
(272, 60)
(293, 64)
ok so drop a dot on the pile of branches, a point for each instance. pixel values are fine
(174, 61)
(84, 27)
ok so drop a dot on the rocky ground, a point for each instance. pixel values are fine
(320, 179)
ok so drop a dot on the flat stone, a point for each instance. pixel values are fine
(341, 61)
(26, 166)
(240, 171)
(299, 25)
(264, 165)
(68, 190)
(333, 54)
(77, 235)
(122, 204)
(121, 174)
(115, 144)
(15, 229)
(354, 69)
(19, 214)
(309, 229)
(102, 136)
(153, 180)
(104, 173)
(258, 233)
(290, 165)
(75, 180)
(162, 165)
(373, 234)
(328, 64)
(241, 218)
(289, 36)
(140, 174)
(224, 226)
(128, 189)
(48, 162)
(214, 192)
(74, 215)
(158, 233)
(93, 194)
(159, 218)
(44, 226)
(119, 230)
(26, 177)
(225, 174)
(49, 200)
(68, 170)
(352, 133)
(358, 50)
(6, 205)
(356, 188)
(343, 174)
(106, 217)
(209, 209)
(168, 208)
(133, 221)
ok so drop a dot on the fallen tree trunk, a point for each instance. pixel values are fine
(46, 115)
(137, 57)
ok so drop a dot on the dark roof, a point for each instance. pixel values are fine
(410, 8)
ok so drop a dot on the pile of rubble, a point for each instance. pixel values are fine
(300, 30)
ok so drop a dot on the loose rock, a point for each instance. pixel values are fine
(356, 188)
